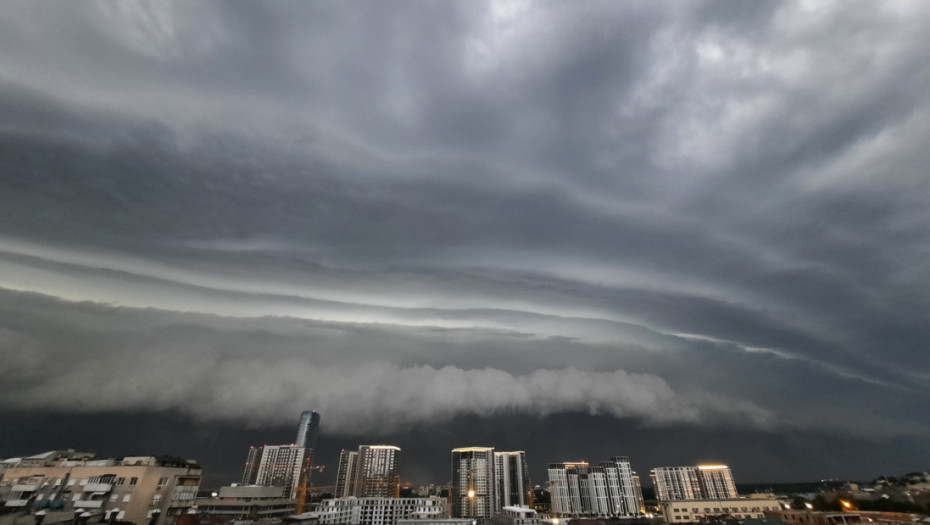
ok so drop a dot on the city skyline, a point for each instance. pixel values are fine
(679, 232)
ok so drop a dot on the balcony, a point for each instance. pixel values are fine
(25, 487)
(184, 493)
(98, 487)
(88, 504)
(16, 502)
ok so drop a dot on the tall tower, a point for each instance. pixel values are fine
(474, 483)
(377, 472)
(513, 478)
(308, 430)
(608, 489)
(622, 490)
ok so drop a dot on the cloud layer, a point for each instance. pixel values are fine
(710, 214)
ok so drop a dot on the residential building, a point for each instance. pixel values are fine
(693, 483)
(513, 478)
(250, 473)
(281, 466)
(376, 473)
(474, 483)
(345, 474)
(606, 489)
(140, 489)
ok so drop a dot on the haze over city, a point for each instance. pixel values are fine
(678, 232)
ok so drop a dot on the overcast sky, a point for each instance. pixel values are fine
(674, 231)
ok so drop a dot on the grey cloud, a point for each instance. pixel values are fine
(727, 197)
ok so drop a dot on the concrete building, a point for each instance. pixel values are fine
(376, 473)
(696, 511)
(694, 483)
(379, 511)
(141, 489)
(513, 478)
(281, 466)
(606, 489)
(474, 483)
(246, 503)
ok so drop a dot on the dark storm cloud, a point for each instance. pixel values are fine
(709, 215)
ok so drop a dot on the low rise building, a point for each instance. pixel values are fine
(696, 511)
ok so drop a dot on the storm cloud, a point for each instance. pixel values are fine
(707, 217)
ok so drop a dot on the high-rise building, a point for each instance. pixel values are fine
(281, 466)
(716, 482)
(250, 474)
(693, 483)
(513, 478)
(474, 483)
(376, 472)
(607, 489)
(308, 430)
(345, 474)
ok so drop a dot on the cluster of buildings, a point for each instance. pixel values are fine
(486, 486)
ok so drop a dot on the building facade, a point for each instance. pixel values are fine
(513, 478)
(345, 474)
(137, 489)
(376, 472)
(474, 483)
(693, 483)
(697, 511)
(281, 466)
(606, 489)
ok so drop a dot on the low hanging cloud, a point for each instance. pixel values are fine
(125, 360)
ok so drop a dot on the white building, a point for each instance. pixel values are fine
(606, 489)
(474, 483)
(513, 478)
(281, 466)
(693, 483)
(379, 511)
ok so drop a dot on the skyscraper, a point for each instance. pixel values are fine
(693, 483)
(308, 429)
(513, 478)
(376, 472)
(474, 483)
